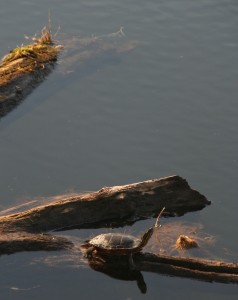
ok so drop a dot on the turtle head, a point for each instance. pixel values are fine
(146, 236)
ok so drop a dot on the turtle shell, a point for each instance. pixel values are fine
(116, 243)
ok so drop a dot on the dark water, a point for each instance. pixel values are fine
(169, 107)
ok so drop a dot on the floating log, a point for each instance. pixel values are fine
(128, 203)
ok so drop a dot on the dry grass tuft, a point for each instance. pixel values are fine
(46, 37)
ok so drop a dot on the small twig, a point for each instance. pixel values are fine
(157, 220)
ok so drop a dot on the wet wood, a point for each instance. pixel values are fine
(126, 203)
(13, 242)
(24, 68)
(195, 268)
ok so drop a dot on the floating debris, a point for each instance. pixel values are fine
(184, 242)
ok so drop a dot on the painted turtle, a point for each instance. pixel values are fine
(118, 243)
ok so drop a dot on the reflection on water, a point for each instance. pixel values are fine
(120, 272)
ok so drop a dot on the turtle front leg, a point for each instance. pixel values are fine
(131, 262)
(89, 252)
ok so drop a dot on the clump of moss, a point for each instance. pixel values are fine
(19, 52)
(42, 46)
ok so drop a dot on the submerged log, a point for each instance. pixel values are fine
(25, 67)
(123, 203)
(13, 242)
(195, 268)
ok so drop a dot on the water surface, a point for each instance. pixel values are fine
(169, 107)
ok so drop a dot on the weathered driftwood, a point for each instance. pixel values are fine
(128, 202)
